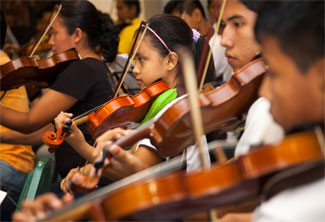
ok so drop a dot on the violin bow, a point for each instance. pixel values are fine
(191, 88)
(53, 16)
(55, 13)
(128, 63)
(199, 73)
(197, 126)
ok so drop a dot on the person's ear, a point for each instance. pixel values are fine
(77, 35)
(171, 61)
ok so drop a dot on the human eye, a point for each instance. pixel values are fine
(139, 59)
(238, 24)
(52, 32)
(222, 27)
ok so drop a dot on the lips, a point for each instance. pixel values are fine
(230, 56)
(230, 59)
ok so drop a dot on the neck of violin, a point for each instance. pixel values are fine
(142, 132)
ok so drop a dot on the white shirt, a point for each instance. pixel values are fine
(193, 160)
(300, 204)
(221, 64)
(304, 203)
(260, 128)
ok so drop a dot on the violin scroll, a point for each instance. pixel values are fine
(54, 140)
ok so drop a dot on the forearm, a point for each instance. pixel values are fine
(83, 148)
(19, 121)
(14, 137)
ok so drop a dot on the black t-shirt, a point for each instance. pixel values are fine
(87, 80)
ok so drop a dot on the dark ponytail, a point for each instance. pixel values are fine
(109, 39)
(84, 15)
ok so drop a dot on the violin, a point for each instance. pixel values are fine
(180, 194)
(119, 111)
(41, 72)
(97, 123)
(36, 72)
(221, 107)
(43, 47)
(171, 132)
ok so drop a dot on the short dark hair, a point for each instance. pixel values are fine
(190, 5)
(172, 6)
(255, 5)
(131, 3)
(298, 26)
(84, 15)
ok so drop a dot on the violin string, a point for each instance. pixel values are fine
(88, 112)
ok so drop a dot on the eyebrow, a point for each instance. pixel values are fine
(234, 17)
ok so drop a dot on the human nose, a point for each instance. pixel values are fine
(226, 38)
(51, 40)
(136, 69)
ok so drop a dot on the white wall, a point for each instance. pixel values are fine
(148, 7)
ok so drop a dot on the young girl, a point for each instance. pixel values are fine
(81, 86)
(155, 59)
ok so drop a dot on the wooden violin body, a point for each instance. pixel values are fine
(124, 110)
(31, 70)
(171, 133)
(180, 194)
(117, 112)
(220, 108)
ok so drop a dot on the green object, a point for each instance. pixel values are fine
(38, 180)
(160, 102)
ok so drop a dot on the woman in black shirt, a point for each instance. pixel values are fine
(83, 85)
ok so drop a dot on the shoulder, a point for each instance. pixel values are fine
(130, 29)
(84, 66)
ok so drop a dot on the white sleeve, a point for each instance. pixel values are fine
(145, 142)
(260, 128)
(193, 160)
